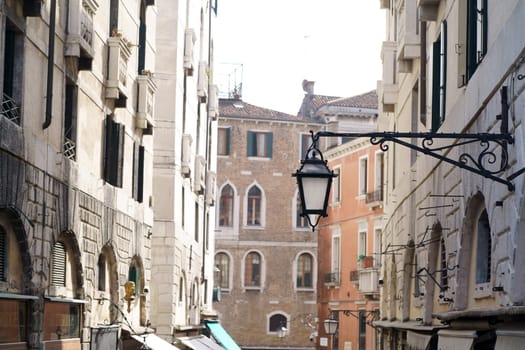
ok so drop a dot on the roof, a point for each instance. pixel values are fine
(366, 100)
(236, 108)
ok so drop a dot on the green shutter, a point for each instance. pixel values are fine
(227, 141)
(140, 175)
(471, 37)
(250, 144)
(435, 84)
(269, 139)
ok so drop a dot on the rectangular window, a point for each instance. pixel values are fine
(259, 144)
(223, 142)
(70, 119)
(362, 329)
(377, 248)
(63, 318)
(13, 71)
(362, 243)
(336, 194)
(476, 34)
(439, 74)
(138, 172)
(335, 254)
(113, 152)
(363, 176)
(379, 178)
(16, 328)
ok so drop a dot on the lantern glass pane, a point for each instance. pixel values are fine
(314, 192)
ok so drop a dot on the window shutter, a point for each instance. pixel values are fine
(435, 84)
(120, 154)
(227, 141)
(140, 176)
(134, 276)
(58, 272)
(269, 139)
(134, 178)
(251, 146)
(3, 255)
(443, 73)
(471, 37)
(107, 149)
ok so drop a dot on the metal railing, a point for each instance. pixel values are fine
(375, 196)
(70, 149)
(331, 278)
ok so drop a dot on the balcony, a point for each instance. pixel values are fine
(331, 279)
(388, 89)
(118, 55)
(79, 40)
(375, 198)
(368, 281)
(428, 9)
(408, 35)
(146, 89)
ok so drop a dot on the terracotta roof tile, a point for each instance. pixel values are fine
(366, 100)
(235, 108)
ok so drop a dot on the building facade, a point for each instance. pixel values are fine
(452, 242)
(349, 244)
(79, 242)
(76, 156)
(266, 255)
(184, 169)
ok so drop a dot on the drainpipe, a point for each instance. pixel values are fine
(50, 64)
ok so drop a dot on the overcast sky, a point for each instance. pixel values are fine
(278, 43)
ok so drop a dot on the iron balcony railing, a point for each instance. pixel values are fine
(10, 109)
(375, 196)
(70, 149)
(331, 278)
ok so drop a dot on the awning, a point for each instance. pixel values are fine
(221, 336)
(457, 340)
(154, 342)
(418, 341)
(509, 340)
(200, 342)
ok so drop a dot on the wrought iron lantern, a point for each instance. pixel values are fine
(330, 325)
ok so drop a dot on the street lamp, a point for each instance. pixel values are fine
(314, 180)
(330, 326)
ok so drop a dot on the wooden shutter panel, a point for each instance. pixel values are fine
(140, 175)
(269, 141)
(250, 145)
(435, 84)
(3, 255)
(134, 178)
(58, 272)
(471, 37)
(120, 154)
(227, 141)
(107, 149)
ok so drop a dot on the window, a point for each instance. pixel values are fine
(196, 219)
(16, 329)
(252, 270)
(58, 267)
(181, 290)
(222, 264)
(362, 242)
(336, 250)
(259, 144)
(377, 247)
(484, 249)
(226, 207)
(336, 191)
(138, 172)
(223, 142)
(379, 175)
(277, 322)
(134, 276)
(362, 329)
(254, 206)
(443, 264)
(306, 141)
(304, 271)
(101, 266)
(363, 176)
(417, 278)
(113, 152)
(300, 221)
(13, 72)
(439, 78)
(70, 120)
(66, 315)
(113, 16)
(476, 34)
(3, 255)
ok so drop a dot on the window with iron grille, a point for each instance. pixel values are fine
(70, 120)
(13, 72)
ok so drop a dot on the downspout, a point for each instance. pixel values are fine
(50, 65)
(423, 72)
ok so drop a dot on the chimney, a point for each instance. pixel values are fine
(308, 86)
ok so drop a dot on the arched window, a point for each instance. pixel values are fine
(254, 206)
(276, 322)
(252, 270)
(226, 207)
(443, 264)
(222, 264)
(181, 290)
(304, 271)
(484, 249)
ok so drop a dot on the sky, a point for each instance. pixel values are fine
(271, 46)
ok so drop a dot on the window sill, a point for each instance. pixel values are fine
(253, 289)
(264, 159)
(248, 227)
(305, 290)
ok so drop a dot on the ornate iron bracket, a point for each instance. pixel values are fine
(370, 315)
(485, 164)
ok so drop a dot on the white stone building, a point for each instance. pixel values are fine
(453, 241)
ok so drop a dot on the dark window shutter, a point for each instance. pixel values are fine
(107, 148)
(269, 141)
(436, 69)
(140, 175)
(134, 177)
(120, 154)
(142, 38)
(227, 141)
(443, 73)
(250, 145)
(3, 255)
(58, 272)
(134, 276)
